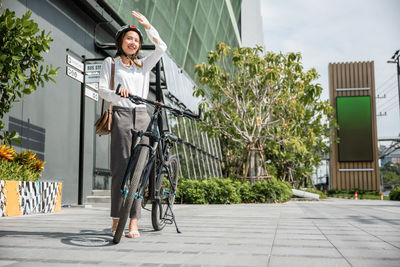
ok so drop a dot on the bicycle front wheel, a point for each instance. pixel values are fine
(165, 195)
(130, 196)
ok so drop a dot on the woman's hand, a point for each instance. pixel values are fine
(124, 92)
(141, 19)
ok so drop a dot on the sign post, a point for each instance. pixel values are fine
(79, 70)
(81, 140)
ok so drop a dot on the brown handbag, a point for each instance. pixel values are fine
(104, 123)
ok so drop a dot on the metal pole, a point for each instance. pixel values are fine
(81, 138)
(398, 80)
(159, 97)
(396, 59)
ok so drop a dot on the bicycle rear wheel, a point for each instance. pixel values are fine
(130, 196)
(165, 193)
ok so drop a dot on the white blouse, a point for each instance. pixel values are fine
(133, 78)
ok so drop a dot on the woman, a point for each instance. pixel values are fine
(133, 75)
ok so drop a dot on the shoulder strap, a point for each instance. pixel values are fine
(112, 74)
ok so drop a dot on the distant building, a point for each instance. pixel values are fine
(394, 157)
(251, 24)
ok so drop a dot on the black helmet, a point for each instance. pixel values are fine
(125, 29)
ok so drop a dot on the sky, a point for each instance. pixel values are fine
(330, 31)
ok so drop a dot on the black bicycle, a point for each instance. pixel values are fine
(158, 180)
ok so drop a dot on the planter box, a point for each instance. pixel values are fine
(21, 198)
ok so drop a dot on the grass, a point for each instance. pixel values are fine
(360, 196)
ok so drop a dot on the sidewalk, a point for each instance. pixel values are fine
(326, 233)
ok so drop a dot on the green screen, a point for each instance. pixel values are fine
(355, 128)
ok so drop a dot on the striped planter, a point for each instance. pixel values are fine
(21, 198)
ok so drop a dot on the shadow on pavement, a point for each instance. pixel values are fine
(86, 238)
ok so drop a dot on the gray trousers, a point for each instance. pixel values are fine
(126, 123)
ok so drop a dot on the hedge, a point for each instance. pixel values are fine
(232, 191)
(395, 194)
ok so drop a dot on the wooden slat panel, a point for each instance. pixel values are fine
(362, 175)
(375, 131)
(343, 175)
(368, 70)
(355, 83)
(338, 176)
(333, 165)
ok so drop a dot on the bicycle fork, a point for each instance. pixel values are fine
(136, 146)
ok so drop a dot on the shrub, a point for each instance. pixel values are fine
(23, 166)
(262, 191)
(280, 191)
(29, 160)
(190, 192)
(11, 170)
(246, 193)
(395, 194)
(211, 191)
(227, 193)
(231, 191)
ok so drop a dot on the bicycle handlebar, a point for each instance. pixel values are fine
(177, 112)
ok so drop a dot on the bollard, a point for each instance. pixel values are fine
(355, 195)
(381, 196)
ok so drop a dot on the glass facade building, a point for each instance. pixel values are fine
(190, 28)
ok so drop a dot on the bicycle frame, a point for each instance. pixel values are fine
(158, 148)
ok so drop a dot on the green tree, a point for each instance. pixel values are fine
(391, 167)
(20, 74)
(303, 137)
(264, 104)
(391, 173)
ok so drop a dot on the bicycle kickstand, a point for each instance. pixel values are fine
(173, 219)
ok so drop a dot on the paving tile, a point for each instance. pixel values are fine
(374, 262)
(306, 261)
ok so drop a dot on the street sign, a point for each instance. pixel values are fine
(74, 74)
(93, 67)
(92, 78)
(93, 95)
(94, 86)
(76, 63)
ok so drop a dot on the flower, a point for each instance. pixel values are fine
(7, 153)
